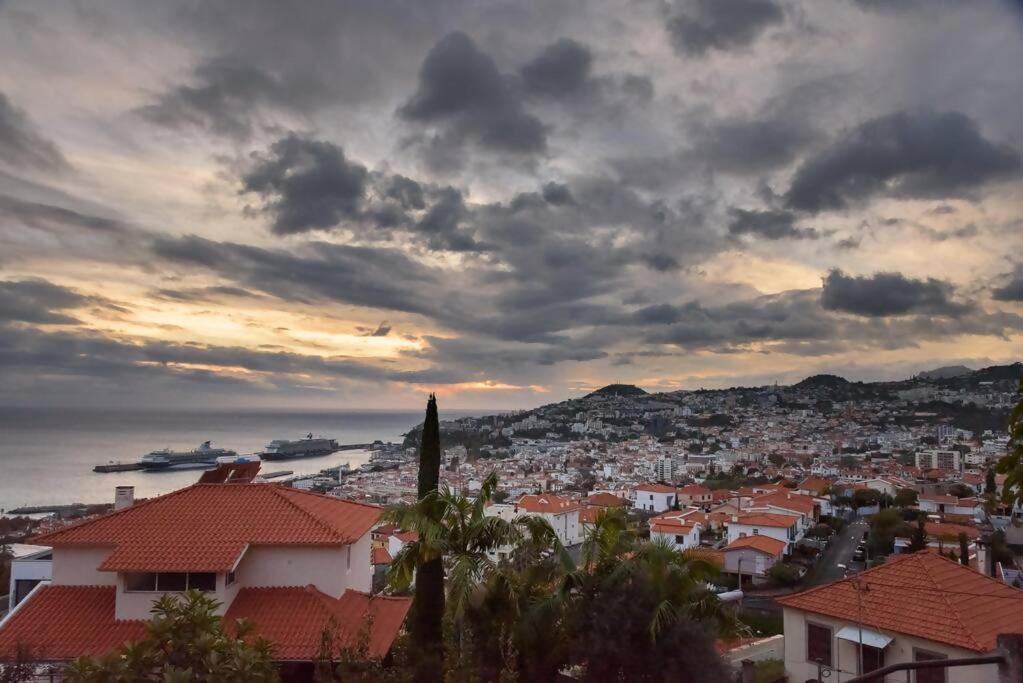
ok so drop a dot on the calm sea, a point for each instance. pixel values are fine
(46, 457)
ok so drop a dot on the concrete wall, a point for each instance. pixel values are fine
(758, 651)
(321, 566)
(844, 653)
(78, 567)
(753, 563)
(736, 530)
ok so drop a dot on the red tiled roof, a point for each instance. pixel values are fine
(538, 504)
(671, 522)
(767, 519)
(787, 500)
(206, 527)
(63, 622)
(923, 595)
(656, 488)
(765, 544)
(947, 530)
(293, 619)
(604, 499)
(380, 556)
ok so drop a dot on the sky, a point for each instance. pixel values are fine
(346, 205)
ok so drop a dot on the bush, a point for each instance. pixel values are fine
(784, 574)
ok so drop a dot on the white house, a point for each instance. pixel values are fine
(915, 607)
(654, 497)
(779, 526)
(289, 561)
(561, 512)
(30, 566)
(949, 505)
(674, 528)
(752, 556)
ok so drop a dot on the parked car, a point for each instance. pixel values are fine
(860, 553)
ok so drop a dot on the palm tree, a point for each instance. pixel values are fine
(456, 530)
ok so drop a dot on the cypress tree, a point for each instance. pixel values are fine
(964, 550)
(428, 613)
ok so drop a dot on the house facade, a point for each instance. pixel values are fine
(261, 550)
(654, 498)
(915, 607)
(675, 529)
(778, 526)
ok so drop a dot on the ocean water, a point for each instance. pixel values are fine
(47, 456)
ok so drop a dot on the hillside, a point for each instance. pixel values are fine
(617, 390)
(822, 381)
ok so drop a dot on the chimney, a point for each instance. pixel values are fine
(124, 497)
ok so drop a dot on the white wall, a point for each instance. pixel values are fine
(28, 570)
(689, 541)
(737, 530)
(327, 568)
(78, 567)
(653, 501)
(844, 653)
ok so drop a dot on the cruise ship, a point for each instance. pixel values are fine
(205, 456)
(308, 447)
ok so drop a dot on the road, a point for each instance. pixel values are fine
(841, 551)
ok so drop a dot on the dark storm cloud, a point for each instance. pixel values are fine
(227, 99)
(38, 301)
(21, 145)
(750, 146)
(769, 224)
(441, 224)
(796, 322)
(700, 26)
(461, 91)
(307, 185)
(1012, 290)
(560, 70)
(363, 276)
(557, 194)
(381, 330)
(906, 154)
(888, 294)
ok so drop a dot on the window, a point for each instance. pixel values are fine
(818, 644)
(680, 540)
(170, 581)
(929, 675)
(203, 581)
(349, 558)
(230, 578)
(756, 532)
(140, 581)
(22, 587)
(651, 496)
(873, 658)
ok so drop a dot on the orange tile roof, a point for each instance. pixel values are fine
(546, 503)
(63, 622)
(206, 527)
(947, 530)
(767, 519)
(380, 556)
(604, 499)
(293, 619)
(923, 595)
(656, 488)
(765, 544)
(787, 500)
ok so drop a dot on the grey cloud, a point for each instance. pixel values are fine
(906, 154)
(704, 25)
(750, 146)
(205, 294)
(22, 146)
(1012, 290)
(307, 185)
(557, 194)
(226, 99)
(770, 224)
(888, 294)
(461, 90)
(38, 301)
(560, 70)
(51, 218)
(363, 276)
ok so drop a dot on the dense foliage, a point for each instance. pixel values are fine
(622, 610)
(1011, 464)
(185, 641)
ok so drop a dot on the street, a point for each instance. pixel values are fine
(840, 552)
